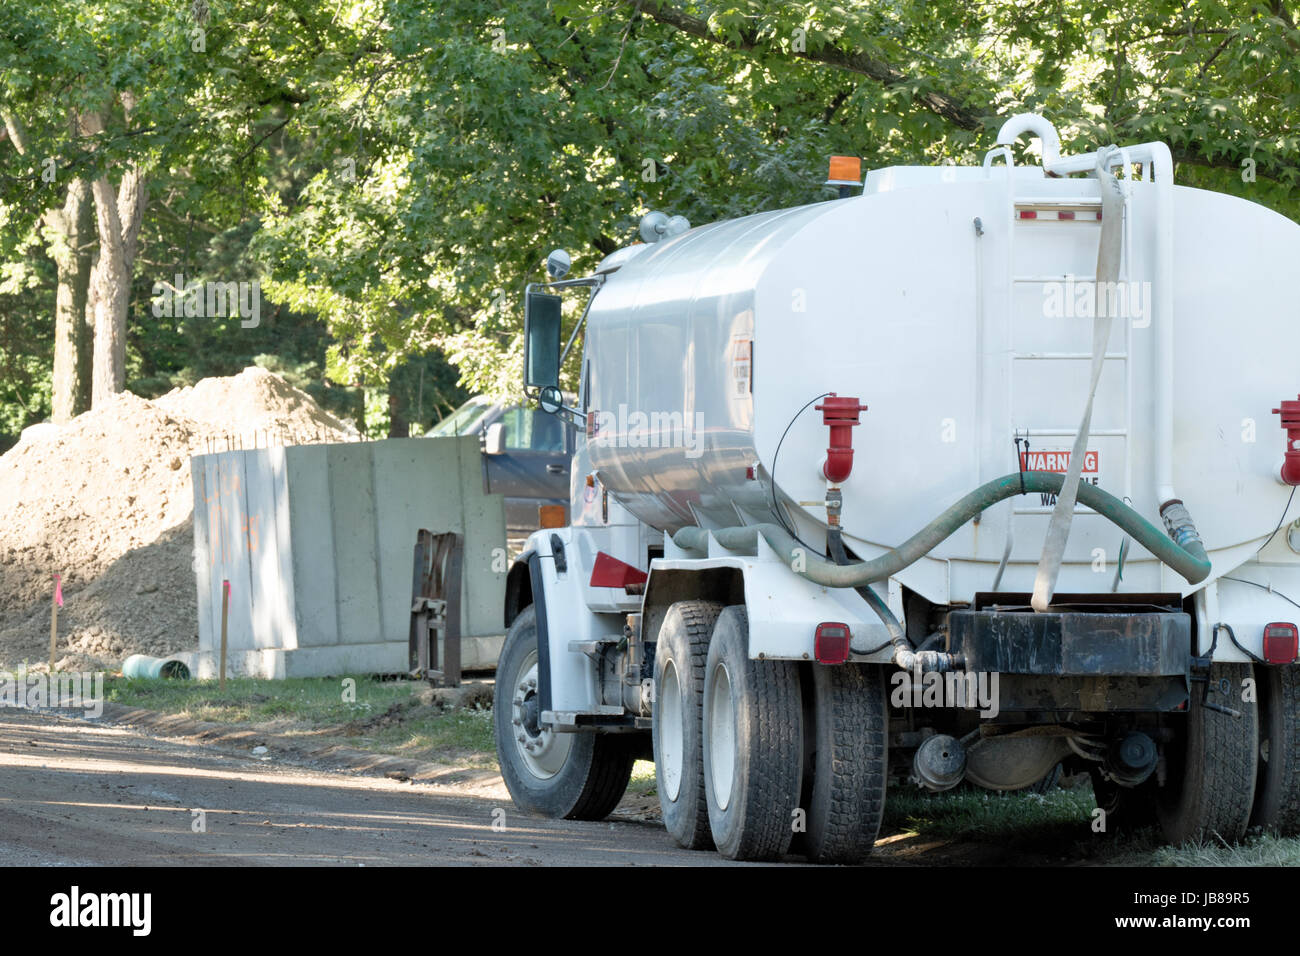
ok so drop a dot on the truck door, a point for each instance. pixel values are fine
(533, 468)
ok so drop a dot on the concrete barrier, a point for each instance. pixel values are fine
(316, 541)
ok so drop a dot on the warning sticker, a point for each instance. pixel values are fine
(1059, 461)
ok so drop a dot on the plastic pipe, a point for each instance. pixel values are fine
(1186, 556)
(1040, 126)
(141, 665)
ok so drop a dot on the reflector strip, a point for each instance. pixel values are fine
(1060, 215)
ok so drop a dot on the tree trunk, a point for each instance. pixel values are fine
(111, 296)
(71, 233)
(118, 218)
(398, 426)
(68, 234)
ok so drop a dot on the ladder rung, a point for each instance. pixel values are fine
(1019, 356)
(1078, 280)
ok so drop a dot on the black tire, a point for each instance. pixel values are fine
(588, 778)
(1277, 799)
(681, 651)
(753, 796)
(1211, 775)
(850, 712)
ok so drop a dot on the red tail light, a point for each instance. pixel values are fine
(831, 645)
(1281, 643)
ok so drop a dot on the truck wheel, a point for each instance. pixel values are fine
(1211, 770)
(850, 712)
(578, 776)
(753, 744)
(1277, 801)
(680, 654)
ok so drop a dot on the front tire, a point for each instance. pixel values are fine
(681, 651)
(753, 746)
(575, 776)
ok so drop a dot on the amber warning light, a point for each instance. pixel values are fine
(846, 173)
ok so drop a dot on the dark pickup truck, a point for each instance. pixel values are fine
(526, 455)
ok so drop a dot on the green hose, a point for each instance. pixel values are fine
(1188, 558)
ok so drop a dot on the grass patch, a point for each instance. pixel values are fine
(1058, 826)
(969, 814)
(249, 700)
(369, 714)
(643, 783)
(463, 735)
(1258, 849)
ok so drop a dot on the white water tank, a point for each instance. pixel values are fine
(701, 351)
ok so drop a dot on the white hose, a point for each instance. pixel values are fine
(1108, 264)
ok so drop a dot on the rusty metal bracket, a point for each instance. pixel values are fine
(435, 607)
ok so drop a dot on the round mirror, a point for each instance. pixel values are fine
(558, 263)
(550, 399)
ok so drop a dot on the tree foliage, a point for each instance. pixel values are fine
(397, 170)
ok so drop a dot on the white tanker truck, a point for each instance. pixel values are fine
(968, 477)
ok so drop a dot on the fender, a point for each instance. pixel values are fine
(1248, 598)
(784, 608)
(567, 682)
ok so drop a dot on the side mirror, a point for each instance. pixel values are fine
(541, 340)
(494, 439)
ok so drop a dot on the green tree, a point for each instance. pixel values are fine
(478, 137)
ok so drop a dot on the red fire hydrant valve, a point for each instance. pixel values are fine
(1290, 412)
(840, 415)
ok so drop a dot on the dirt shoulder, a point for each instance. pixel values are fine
(396, 729)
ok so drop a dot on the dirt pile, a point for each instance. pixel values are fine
(255, 408)
(106, 502)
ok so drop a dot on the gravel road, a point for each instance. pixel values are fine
(77, 794)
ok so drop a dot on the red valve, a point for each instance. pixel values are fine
(1290, 412)
(841, 415)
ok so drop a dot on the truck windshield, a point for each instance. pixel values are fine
(463, 420)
